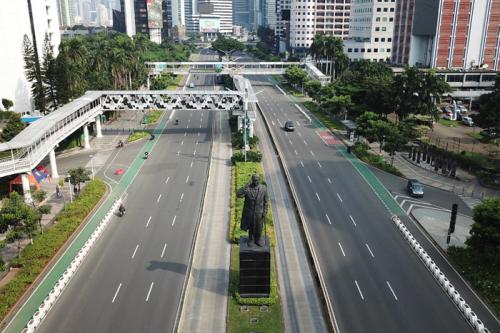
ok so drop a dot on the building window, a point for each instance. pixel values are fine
(376, 39)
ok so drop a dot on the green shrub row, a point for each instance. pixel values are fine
(137, 136)
(361, 151)
(36, 256)
(237, 141)
(252, 156)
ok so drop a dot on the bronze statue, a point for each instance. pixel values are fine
(254, 209)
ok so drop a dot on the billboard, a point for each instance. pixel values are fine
(209, 25)
(155, 15)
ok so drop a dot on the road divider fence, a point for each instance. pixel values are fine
(63, 281)
(443, 281)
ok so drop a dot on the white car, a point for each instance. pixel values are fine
(191, 85)
(467, 121)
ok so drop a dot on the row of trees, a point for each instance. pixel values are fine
(94, 62)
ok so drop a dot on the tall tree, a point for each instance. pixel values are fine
(488, 116)
(49, 73)
(7, 104)
(295, 75)
(79, 175)
(13, 127)
(63, 91)
(33, 74)
(227, 46)
(485, 232)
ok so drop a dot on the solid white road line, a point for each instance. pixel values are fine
(149, 292)
(352, 220)
(370, 250)
(173, 221)
(163, 251)
(317, 196)
(392, 291)
(359, 290)
(341, 249)
(166, 181)
(133, 254)
(149, 220)
(187, 179)
(338, 196)
(116, 293)
(329, 180)
(302, 163)
(319, 164)
(310, 181)
(328, 218)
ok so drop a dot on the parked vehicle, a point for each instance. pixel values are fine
(191, 85)
(467, 121)
(489, 133)
(415, 188)
(289, 126)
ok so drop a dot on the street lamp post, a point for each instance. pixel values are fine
(69, 186)
(245, 120)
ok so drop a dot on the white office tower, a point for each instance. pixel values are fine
(282, 29)
(209, 17)
(270, 14)
(178, 13)
(66, 10)
(371, 30)
(103, 19)
(14, 24)
(308, 18)
(129, 17)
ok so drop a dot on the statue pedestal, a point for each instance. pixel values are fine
(255, 269)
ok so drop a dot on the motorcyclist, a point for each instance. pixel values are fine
(146, 154)
(177, 121)
(121, 209)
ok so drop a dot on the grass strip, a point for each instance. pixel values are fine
(326, 120)
(137, 136)
(36, 256)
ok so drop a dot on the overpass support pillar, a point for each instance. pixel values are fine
(86, 139)
(240, 122)
(26, 188)
(98, 126)
(53, 165)
(250, 128)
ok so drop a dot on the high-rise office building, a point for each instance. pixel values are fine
(370, 30)
(308, 18)
(209, 17)
(66, 11)
(282, 29)
(270, 13)
(17, 18)
(249, 13)
(447, 33)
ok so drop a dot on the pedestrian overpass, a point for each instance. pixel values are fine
(26, 150)
(234, 68)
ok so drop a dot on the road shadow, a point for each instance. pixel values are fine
(212, 280)
(167, 266)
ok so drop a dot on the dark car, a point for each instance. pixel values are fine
(415, 188)
(289, 126)
(489, 133)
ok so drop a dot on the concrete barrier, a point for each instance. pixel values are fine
(58, 287)
(450, 290)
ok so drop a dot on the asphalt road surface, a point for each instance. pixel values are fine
(374, 281)
(132, 279)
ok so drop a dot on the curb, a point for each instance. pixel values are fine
(327, 305)
(439, 276)
(193, 242)
(50, 264)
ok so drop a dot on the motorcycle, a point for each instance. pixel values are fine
(120, 144)
(177, 121)
(121, 211)
(146, 155)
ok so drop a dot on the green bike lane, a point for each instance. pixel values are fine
(28, 309)
(375, 184)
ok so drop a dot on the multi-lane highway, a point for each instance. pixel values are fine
(133, 278)
(374, 282)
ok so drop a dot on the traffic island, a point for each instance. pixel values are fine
(247, 314)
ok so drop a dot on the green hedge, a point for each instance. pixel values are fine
(137, 136)
(252, 156)
(361, 151)
(36, 256)
(484, 277)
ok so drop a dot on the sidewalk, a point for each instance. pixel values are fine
(205, 305)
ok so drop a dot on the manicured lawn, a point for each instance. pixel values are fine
(289, 89)
(176, 82)
(137, 136)
(152, 117)
(448, 123)
(239, 321)
(328, 121)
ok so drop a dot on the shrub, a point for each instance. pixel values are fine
(35, 257)
(361, 151)
(252, 156)
(237, 141)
